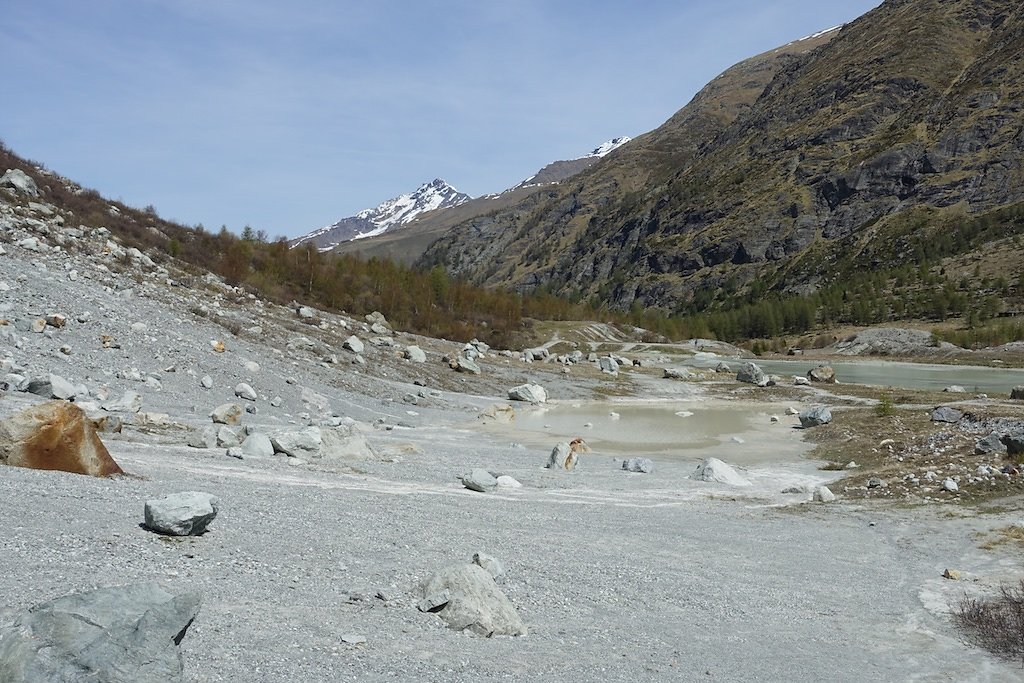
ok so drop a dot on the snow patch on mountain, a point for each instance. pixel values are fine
(610, 146)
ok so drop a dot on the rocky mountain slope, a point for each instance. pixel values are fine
(432, 196)
(845, 145)
(408, 241)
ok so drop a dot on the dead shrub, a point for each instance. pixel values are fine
(997, 623)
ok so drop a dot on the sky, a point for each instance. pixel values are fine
(287, 116)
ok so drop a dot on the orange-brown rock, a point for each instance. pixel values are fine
(55, 436)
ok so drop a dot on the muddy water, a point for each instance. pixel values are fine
(690, 430)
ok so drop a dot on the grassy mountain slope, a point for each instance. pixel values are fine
(783, 166)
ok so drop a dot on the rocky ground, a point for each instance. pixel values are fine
(311, 570)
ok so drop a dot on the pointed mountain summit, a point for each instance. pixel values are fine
(436, 194)
(557, 171)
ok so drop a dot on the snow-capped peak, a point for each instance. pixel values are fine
(613, 144)
(437, 194)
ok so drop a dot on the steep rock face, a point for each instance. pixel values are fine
(914, 104)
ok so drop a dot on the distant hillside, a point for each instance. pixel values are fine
(407, 242)
(859, 150)
(433, 196)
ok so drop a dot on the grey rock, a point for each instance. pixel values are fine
(719, 472)
(206, 382)
(126, 634)
(562, 457)
(1017, 393)
(297, 443)
(354, 344)
(948, 484)
(815, 417)
(677, 373)
(723, 367)
(51, 386)
(751, 373)
(946, 414)
(415, 354)
(1014, 443)
(822, 494)
(129, 402)
(227, 414)
(19, 181)
(181, 514)
(608, 365)
(990, 444)
(531, 393)
(462, 364)
(228, 437)
(245, 392)
(644, 465)
(306, 313)
(822, 373)
(257, 445)
(472, 602)
(493, 565)
(955, 389)
(203, 438)
(479, 480)
(380, 329)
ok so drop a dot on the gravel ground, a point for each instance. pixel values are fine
(618, 576)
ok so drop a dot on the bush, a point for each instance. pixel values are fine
(995, 624)
(885, 406)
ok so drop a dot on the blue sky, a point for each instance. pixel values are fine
(288, 116)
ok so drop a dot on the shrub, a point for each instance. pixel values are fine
(995, 624)
(885, 406)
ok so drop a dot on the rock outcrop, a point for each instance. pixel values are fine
(466, 597)
(55, 436)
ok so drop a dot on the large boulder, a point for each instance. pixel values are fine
(946, 414)
(1017, 393)
(815, 417)
(297, 443)
(716, 471)
(129, 402)
(257, 445)
(227, 414)
(127, 634)
(342, 442)
(51, 386)
(245, 392)
(676, 373)
(751, 373)
(822, 373)
(463, 364)
(989, 444)
(608, 365)
(479, 480)
(20, 182)
(532, 393)
(55, 436)
(354, 344)
(415, 354)
(643, 465)
(466, 597)
(181, 514)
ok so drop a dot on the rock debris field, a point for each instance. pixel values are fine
(341, 542)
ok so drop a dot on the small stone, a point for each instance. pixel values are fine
(56, 320)
(245, 392)
(644, 465)
(946, 414)
(353, 639)
(948, 484)
(206, 382)
(217, 346)
(37, 325)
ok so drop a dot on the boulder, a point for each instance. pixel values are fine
(479, 480)
(203, 438)
(257, 445)
(415, 354)
(306, 313)
(608, 365)
(245, 392)
(532, 393)
(124, 634)
(990, 444)
(228, 437)
(181, 514)
(129, 402)
(51, 386)
(714, 470)
(644, 465)
(20, 182)
(822, 494)
(948, 484)
(1017, 393)
(1014, 443)
(297, 443)
(206, 382)
(55, 436)
(463, 364)
(467, 599)
(822, 373)
(353, 344)
(815, 417)
(540, 353)
(227, 414)
(946, 414)
(563, 457)
(491, 564)
(676, 373)
(955, 389)
(723, 367)
(344, 441)
(500, 413)
(507, 482)
(751, 373)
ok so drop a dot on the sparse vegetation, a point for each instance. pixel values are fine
(997, 623)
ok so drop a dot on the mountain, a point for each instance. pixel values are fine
(408, 241)
(855, 149)
(431, 196)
